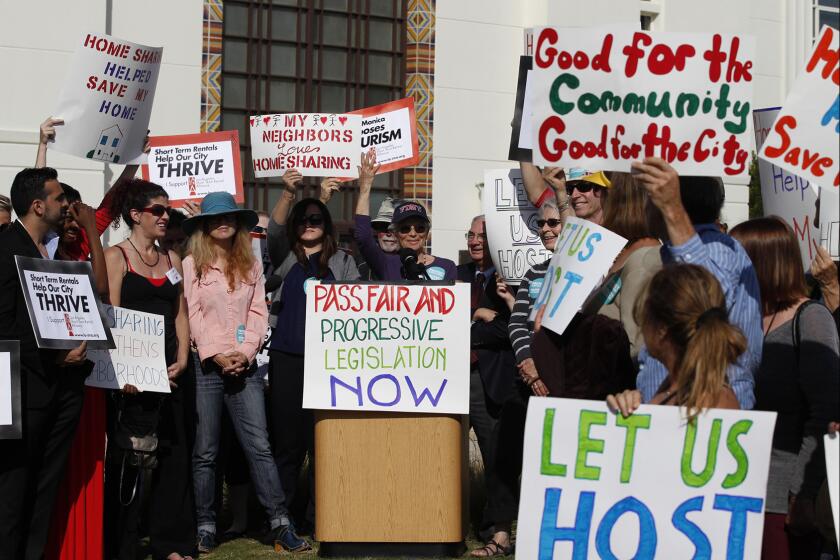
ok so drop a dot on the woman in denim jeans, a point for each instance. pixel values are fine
(225, 294)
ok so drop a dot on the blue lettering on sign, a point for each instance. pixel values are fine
(550, 533)
(436, 273)
(702, 547)
(396, 383)
(739, 506)
(647, 529)
(833, 114)
(535, 287)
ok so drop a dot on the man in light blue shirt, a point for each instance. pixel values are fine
(690, 207)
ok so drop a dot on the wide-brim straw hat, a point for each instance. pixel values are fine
(216, 204)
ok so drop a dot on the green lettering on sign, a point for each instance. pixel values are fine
(688, 475)
(588, 445)
(742, 461)
(546, 466)
(631, 424)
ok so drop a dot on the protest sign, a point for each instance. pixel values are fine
(511, 225)
(786, 195)
(391, 129)
(190, 166)
(387, 347)
(830, 222)
(63, 307)
(604, 98)
(528, 41)
(316, 144)
(138, 358)
(521, 124)
(583, 254)
(106, 100)
(11, 426)
(832, 469)
(598, 485)
(804, 139)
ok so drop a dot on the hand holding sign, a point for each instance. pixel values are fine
(626, 402)
(48, 129)
(368, 169)
(329, 187)
(74, 357)
(292, 179)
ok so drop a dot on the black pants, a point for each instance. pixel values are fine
(166, 490)
(503, 479)
(32, 468)
(484, 415)
(292, 427)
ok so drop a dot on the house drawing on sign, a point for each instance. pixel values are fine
(107, 147)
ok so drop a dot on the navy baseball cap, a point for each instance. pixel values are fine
(409, 209)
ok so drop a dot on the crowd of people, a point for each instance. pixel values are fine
(687, 315)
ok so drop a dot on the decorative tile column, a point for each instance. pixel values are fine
(211, 66)
(420, 84)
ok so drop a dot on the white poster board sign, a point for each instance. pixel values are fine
(805, 138)
(786, 195)
(139, 358)
(106, 100)
(391, 130)
(597, 485)
(582, 256)
(11, 414)
(62, 304)
(604, 98)
(511, 225)
(830, 221)
(832, 469)
(387, 347)
(316, 144)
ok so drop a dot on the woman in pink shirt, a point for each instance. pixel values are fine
(225, 292)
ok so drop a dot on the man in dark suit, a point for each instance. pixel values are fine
(32, 467)
(492, 365)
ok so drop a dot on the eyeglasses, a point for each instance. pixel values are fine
(419, 228)
(552, 223)
(581, 186)
(258, 229)
(312, 220)
(157, 210)
(470, 236)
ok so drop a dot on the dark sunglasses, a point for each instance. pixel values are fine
(157, 210)
(581, 186)
(258, 229)
(419, 228)
(552, 223)
(312, 220)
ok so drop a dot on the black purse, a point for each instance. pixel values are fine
(138, 451)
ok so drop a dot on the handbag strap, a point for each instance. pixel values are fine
(797, 334)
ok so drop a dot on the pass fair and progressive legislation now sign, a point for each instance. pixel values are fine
(386, 347)
(598, 485)
(604, 99)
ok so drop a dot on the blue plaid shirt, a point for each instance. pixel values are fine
(724, 257)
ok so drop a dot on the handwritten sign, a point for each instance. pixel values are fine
(106, 101)
(606, 98)
(391, 129)
(786, 195)
(511, 225)
(520, 137)
(806, 135)
(832, 469)
(11, 426)
(139, 357)
(313, 143)
(62, 305)
(583, 254)
(387, 347)
(597, 485)
(190, 166)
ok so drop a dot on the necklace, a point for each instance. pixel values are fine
(149, 266)
(772, 320)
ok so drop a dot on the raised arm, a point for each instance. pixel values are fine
(367, 171)
(278, 244)
(662, 184)
(46, 135)
(85, 216)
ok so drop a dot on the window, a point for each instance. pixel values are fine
(115, 142)
(826, 12)
(308, 56)
(104, 140)
(648, 13)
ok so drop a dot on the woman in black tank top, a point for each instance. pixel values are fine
(143, 277)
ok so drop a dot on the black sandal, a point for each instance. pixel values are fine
(492, 549)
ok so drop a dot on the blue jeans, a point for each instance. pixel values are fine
(243, 396)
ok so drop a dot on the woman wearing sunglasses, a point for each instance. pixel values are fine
(303, 247)
(411, 225)
(143, 277)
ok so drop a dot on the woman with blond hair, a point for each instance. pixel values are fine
(225, 294)
(686, 327)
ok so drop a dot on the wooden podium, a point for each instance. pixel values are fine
(390, 483)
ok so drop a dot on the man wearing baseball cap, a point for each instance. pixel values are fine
(587, 191)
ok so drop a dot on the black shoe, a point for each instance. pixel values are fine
(286, 538)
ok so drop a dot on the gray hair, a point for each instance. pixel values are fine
(549, 204)
(5, 203)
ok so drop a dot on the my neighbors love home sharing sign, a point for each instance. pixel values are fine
(106, 101)
(598, 485)
(316, 144)
(386, 347)
(605, 99)
(805, 139)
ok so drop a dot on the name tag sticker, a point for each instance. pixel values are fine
(173, 275)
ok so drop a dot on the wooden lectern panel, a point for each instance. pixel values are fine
(388, 477)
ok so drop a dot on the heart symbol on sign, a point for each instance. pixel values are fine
(323, 120)
(266, 119)
(252, 121)
(342, 120)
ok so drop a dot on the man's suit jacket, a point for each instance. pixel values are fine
(496, 364)
(39, 372)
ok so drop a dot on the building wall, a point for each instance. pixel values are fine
(478, 45)
(36, 43)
